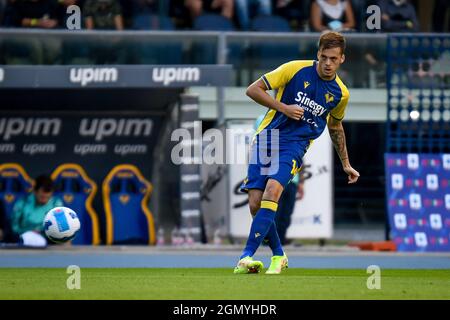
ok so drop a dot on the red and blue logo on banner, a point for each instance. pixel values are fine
(418, 198)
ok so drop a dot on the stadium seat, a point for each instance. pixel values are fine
(270, 24)
(77, 191)
(125, 198)
(206, 53)
(272, 53)
(152, 22)
(213, 22)
(15, 183)
(156, 52)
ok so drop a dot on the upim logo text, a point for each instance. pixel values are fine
(86, 76)
(11, 127)
(169, 75)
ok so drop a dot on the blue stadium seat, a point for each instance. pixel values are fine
(272, 53)
(270, 24)
(153, 52)
(125, 198)
(152, 22)
(213, 22)
(206, 53)
(77, 191)
(15, 183)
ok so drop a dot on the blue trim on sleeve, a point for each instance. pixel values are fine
(266, 82)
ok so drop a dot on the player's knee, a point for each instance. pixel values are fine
(254, 205)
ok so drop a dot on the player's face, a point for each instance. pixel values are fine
(329, 62)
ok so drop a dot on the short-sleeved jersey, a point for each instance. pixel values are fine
(297, 82)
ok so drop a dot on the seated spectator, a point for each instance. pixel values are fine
(35, 14)
(334, 15)
(398, 16)
(199, 7)
(103, 14)
(245, 8)
(29, 212)
(32, 49)
(148, 7)
(297, 12)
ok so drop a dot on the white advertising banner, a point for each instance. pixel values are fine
(240, 218)
(313, 215)
(214, 200)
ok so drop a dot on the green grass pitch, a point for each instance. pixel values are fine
(222, 284)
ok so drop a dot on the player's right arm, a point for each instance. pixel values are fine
(258, 92)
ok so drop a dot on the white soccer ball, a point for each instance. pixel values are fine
(61, 224)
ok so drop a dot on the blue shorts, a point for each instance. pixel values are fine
(265, 164)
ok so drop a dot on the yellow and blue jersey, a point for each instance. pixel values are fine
(297, 82)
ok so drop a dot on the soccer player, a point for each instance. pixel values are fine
(310, 95)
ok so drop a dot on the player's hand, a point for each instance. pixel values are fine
(47, 23)
(353, 175)
(293, 111)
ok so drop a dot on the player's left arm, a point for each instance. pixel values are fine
(337, 135)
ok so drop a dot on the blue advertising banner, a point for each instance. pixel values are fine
(418, 196)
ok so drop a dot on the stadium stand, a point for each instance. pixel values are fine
(204, 52)
(412, 77)
(148, 52)
(272, 53)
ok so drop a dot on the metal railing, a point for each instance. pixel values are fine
(250, 53)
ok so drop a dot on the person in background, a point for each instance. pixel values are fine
(29, 212)
(336, 15)
(398, 16)
(103, 14)
(36, 49)
(297, 12)
(294, 191)
(35, 14)
(149, 7)
(198, 7)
